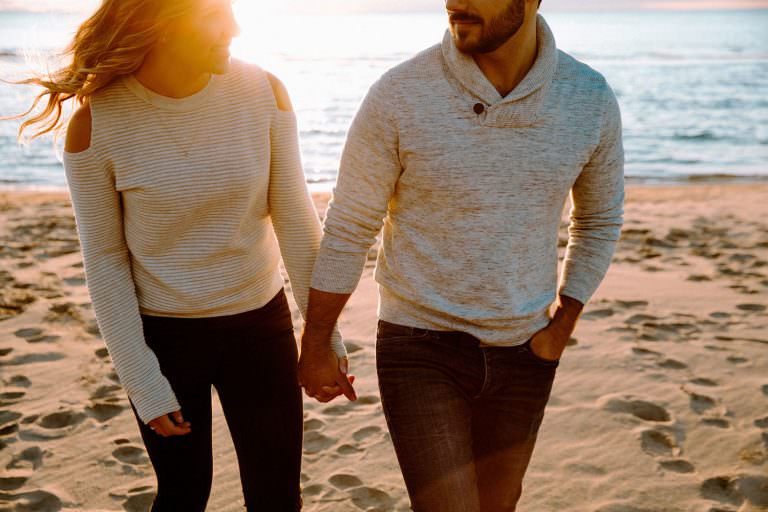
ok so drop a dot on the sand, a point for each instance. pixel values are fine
(661, 403)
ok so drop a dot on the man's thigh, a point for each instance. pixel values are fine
(506, 420)
(426, 388)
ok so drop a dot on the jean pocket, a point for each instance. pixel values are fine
(387, 331)
(528, 350)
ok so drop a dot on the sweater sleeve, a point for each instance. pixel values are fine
(369, 171)
(598, 209)
(99, 218)
(293, 214)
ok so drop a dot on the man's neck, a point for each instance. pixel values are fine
(167, 78)
(507, 66)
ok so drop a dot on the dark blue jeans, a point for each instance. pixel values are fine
(463, 417)
(251, 360)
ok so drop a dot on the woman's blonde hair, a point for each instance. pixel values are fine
(113, 42)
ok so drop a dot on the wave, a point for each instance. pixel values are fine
(705, 136)
(696, 178)
(673, 57)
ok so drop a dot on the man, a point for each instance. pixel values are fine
(468, 152)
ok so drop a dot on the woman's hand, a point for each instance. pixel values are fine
(323, 375)
(164, 426)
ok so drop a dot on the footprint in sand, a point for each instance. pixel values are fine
(367, 400)
(315, 442)
(42, 357)
(61, 419)
(765, 389)
(313, 424)
(344, 481)
(65, 312)
(139, 502)
(348, 449)
(133, 455)
(703, 381)
(13, 480)
(716, 422)
(677, 466)
(19, 381)
(762, 422)
(700, 403)
(29, 458)
(737, 359)
(640, 351)
(672, 364)
(640, 318)
(630, 304)
(106, 391)
(101, 353)
(751, 308)
(352, 347)
(38, 501)
(103, 411)
(35, 335)
(5, 351)
(93, 329)
(11, 397)
(14, 302)
(369, 498)
(597, 314)
(735, 490)
(336, 410)
(365, 433)
(9, 422)
(312, 490)
(642, 409)
(655, 442)
(75, 281)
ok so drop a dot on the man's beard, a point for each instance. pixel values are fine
(496, 31)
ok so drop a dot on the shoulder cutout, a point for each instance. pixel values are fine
(280, 92)
(79, 131)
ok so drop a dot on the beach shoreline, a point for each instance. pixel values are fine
(660, 403)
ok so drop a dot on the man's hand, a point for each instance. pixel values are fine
(164, 426)
(323, 375)
(550, 342)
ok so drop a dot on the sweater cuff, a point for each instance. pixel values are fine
(338, 272)
(337, 344)
(158, 400)
(579, 289)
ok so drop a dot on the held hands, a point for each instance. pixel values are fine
(166, 427)
(322, 374)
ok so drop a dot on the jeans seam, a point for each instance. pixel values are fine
(486, 374)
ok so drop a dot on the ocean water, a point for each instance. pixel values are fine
(693, 86)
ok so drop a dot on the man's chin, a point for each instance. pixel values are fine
(465, 45)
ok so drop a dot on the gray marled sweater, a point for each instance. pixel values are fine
(471, 203)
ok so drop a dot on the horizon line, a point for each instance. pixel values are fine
(651, 6)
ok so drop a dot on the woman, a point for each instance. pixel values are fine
(181, 165)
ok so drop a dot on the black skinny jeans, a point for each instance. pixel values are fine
(251, 359)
